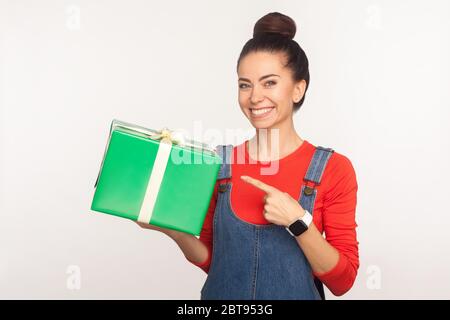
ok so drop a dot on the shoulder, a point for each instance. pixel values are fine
(339, 173)
(340, 164)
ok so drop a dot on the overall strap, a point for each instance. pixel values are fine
(308, 193)
(224, 151)
(318, 164)
(314, 173)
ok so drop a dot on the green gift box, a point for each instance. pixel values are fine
(156, 177)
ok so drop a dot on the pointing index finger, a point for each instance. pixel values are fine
(259, 184)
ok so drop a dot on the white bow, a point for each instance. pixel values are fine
(171, 136)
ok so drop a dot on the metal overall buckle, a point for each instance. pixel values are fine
(309, 190)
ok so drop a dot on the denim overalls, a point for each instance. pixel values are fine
(256, 262)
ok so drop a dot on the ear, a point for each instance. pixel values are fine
(299, 91)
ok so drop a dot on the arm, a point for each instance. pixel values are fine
(193, 249)
(197, 251)
(206, 235)
(335, 261)
(320, 254)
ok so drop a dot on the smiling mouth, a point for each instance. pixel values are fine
(261, 111)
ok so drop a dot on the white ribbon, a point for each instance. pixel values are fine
(167, 138)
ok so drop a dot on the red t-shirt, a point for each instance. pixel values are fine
(334, 209)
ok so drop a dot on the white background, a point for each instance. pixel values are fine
(379, 94)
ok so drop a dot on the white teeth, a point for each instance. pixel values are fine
(260, 111)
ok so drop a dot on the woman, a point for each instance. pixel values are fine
(262, 236)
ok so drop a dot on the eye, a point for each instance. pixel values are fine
(270, 83)
(243, 86)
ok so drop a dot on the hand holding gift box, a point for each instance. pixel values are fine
(156, 177)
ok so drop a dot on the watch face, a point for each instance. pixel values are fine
(298, 227)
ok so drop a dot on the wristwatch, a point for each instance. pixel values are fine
(300, 225)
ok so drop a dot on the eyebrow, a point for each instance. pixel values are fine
(262, 78)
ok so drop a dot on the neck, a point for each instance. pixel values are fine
(270, 144)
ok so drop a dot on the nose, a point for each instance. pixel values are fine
(256, 95)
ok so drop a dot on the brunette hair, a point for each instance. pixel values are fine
(274, 32)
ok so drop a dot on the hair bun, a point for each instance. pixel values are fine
(275, 23)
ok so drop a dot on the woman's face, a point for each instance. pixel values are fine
(266, 89)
